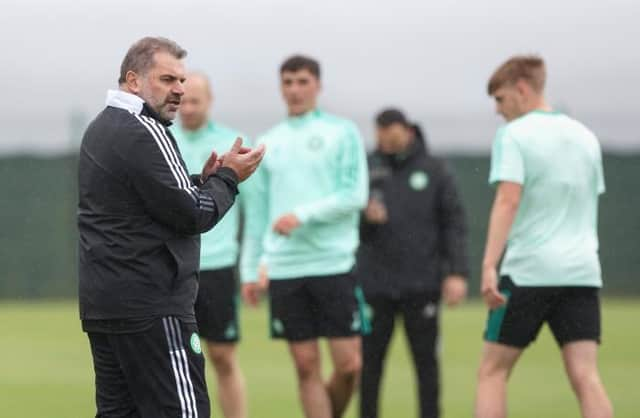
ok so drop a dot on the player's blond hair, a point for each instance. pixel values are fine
(530, 68)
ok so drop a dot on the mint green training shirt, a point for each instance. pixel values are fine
(315, 167)
(218, 247)
(557, 160)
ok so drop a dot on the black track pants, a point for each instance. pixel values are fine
(420, 316)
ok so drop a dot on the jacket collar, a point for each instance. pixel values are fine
(123, 100)
(132, 103)
(410, 152)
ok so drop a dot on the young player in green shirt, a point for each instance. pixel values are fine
(301, 232)
(548, 171)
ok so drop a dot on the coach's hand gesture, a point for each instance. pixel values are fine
(211, 166)
(243, 161)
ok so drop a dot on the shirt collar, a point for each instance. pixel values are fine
(298, 120)
(123, 100)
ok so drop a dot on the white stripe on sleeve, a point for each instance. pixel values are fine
(166, 153)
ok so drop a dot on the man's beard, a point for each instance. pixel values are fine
(163, 110)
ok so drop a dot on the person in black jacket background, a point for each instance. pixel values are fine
(413, 252)
(139, 220)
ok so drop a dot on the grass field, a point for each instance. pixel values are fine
(46, 371)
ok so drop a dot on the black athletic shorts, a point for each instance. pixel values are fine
(155, 373)
(572, 312)
(311, 307)
(217, 306)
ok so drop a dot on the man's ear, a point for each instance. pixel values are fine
(523, 87)
(132, 82)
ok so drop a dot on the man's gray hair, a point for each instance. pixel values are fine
(139, 58)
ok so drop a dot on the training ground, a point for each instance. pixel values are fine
(46, 371)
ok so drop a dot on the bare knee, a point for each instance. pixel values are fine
(583, 379)
(223, 358)
(490, 370)
(581, 364)
(349, 367)
(497, 362)
(307, 365)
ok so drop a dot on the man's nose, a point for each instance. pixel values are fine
(178, 88)
(293, 88)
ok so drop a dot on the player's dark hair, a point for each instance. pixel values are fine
(301, 62)
(140, 56)
(391, 116)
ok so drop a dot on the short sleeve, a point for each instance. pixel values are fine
(506, 159)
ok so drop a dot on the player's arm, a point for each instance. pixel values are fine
(255, 207)
(169, 194)
(503, 213)
(453, 227)
(352, 184)
(508, 172)
(375, 214)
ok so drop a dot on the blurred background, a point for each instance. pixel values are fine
(431, 59)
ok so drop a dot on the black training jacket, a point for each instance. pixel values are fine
(140, 216)
(425, 237)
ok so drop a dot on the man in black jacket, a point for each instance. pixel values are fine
(413, 252)
(139, 219)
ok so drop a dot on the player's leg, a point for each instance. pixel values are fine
(112, 393)
(347, 364)
(374, 350)
(313, 394)
(293, 318)
(580, 359)
(231, 384)
(510, 328)
(495, 367)
(217, 316)
(340, 318)
(164, 369)
(575, 323)
(420, 312)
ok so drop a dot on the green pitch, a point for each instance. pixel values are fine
(46, 371)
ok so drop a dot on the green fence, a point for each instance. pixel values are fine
(38, 232)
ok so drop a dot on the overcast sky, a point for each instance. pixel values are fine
(430, 58)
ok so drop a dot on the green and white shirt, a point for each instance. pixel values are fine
(219, 247)
(557, 160)
(315, 167)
